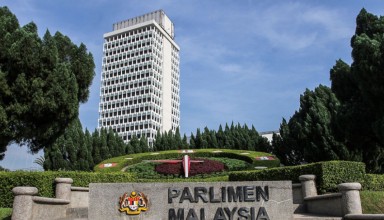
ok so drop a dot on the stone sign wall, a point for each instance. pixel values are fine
(270, 200)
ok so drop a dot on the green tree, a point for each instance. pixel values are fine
(192, 143)
(198, 139)
(40, 161)
(88, 144)
(129, 149)
(112, 143)
(177, 139)
(96, 143)
(105, 152)
(157, 143)
(213, 143)
(360, 89)
(135, 143)
(184, 142)
(220, 137)
(143, 145)
(42, 82)
(309, 134)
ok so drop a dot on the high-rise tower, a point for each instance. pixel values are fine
(140, 77)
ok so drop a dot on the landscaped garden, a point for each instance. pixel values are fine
(223, 164)
(212, 163)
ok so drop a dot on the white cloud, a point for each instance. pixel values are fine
(289, 25)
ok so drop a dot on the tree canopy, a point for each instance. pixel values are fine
(79, 150)
(346, 121)
(42, 82)
(309, 136)
(360, 89)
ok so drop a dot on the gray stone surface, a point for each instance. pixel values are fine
(49, 211)
(79, 197)
(314, 217)
(25, 190)
(54, 201)
(22, 203)
(297, 193)
(365, 217)
(63, 188)
(104, 200)
(308, 185)
(77, 213)
(329, 204)
(351, 198)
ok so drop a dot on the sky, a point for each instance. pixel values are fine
(245, 61)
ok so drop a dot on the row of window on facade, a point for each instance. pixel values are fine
(175, 105)
(148, 118)
(146, 63)
(149, 135)
(129, 82)
(135, 49)
(136, 128)
(128, 72)
(131, 79)
(142, 51)
(131, 56)
(144, 66)
(140, 31)
(132, 40)
(140, 93)
(137, 92)
(146, 90)
(175, 121)
(128, 40)
(134, 104)
(175, 98)
(138, 67)
(176, 113)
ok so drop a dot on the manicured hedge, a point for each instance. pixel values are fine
(328, 174)
(44, 181)
(373, 182)
(127, 160)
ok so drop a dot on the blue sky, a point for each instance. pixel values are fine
(243, 61)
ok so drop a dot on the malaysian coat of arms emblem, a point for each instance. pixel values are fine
(134, 203)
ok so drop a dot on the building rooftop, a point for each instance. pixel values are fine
(159, 16)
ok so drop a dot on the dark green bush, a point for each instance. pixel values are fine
(328, 174)
(233, 164)
(44, 181)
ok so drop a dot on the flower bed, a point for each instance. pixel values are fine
(206, 167)
(123, 162)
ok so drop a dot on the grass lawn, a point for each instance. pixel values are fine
(5, 213)
(372, 202)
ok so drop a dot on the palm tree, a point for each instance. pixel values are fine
(40, 161)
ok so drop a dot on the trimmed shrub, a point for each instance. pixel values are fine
(373, 182)
(233, 164)
(328, 174)
(44, 181)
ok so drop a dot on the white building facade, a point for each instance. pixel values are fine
(140, 80)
